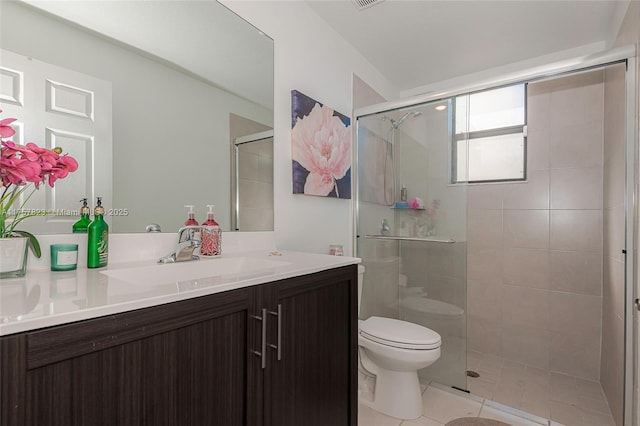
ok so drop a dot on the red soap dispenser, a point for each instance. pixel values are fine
(191, 219)
(211, 235)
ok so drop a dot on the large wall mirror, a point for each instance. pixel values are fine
(150, 97)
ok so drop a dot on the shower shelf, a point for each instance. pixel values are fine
(426, 239)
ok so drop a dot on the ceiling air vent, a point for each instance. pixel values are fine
(363, 4)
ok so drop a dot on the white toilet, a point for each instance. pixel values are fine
(393, 351)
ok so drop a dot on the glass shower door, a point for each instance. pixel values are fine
(415, 266)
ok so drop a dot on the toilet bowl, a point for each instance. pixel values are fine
(448, 320)
(393, 351)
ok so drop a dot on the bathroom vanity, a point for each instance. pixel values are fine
(275, 346)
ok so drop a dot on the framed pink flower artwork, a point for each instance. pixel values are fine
(320, 148)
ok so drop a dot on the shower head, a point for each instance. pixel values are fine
(395, 124)
(413, 114)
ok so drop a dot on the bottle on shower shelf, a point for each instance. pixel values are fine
(402, 204)
(403, 194)
(385, 229)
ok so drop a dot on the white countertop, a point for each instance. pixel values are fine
(45, 298)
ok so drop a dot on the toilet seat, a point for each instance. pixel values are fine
(399, 334)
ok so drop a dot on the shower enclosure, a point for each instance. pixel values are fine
(515, 240)
(415, 269)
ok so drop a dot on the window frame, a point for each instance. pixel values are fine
(478, 134)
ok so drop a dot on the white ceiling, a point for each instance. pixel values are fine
(417, 42)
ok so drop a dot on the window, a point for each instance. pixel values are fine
(489, 142)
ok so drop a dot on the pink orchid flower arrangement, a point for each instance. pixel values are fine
(24, 168)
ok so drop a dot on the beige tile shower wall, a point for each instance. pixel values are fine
(535, 247)
(612, 353)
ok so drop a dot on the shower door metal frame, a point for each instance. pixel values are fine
(632, 288)
(624, 54)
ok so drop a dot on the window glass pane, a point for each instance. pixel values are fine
(496, 158)
(462, 103)
(461, 161)
(491, 109)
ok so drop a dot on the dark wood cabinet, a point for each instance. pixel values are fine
(312, 382)
(196, 362)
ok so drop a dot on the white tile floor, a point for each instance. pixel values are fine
(569, 400)
(442, 405)
(507, 391)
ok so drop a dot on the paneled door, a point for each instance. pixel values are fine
(57, 107)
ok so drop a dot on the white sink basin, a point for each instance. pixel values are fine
(211, 270)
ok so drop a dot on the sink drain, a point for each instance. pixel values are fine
(472, 373)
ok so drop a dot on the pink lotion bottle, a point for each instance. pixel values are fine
(191, 218)
(211, 235)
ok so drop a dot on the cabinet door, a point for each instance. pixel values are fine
(179, 364)
(314, 383)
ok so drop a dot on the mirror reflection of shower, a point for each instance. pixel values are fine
(252, 160)
(390, 156)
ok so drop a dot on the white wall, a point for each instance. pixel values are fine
(312, 58)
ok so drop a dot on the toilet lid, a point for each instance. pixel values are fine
(400, 334)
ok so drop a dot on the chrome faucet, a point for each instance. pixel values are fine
(188, 242)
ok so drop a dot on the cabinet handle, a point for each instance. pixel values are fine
(279, 346)
(263, 345)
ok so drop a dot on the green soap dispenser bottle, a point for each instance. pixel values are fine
(82, 225)
(98, 244)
